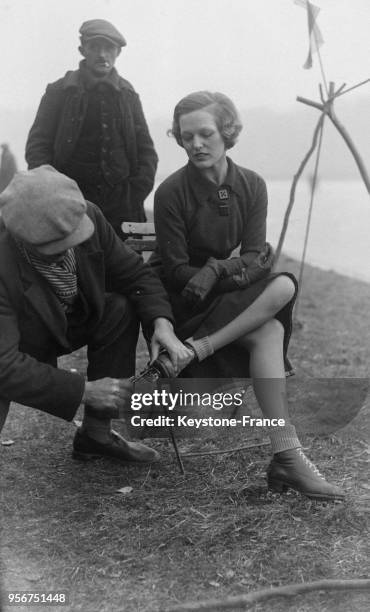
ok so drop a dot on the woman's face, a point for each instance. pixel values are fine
(202, 140)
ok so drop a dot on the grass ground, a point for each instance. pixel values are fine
(215, 531)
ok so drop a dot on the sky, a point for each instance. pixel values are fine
(253, 50)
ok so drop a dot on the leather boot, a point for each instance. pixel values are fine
(86, 448)
(292, 469)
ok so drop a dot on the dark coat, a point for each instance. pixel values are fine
(33, 323)
(59, 120)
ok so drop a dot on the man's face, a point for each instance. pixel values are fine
(48, 259)
(100, 55)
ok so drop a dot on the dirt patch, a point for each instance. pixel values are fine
(216, 531)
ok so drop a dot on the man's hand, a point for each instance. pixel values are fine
(108, 398)
(164, 337)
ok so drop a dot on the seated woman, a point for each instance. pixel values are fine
(232, 311)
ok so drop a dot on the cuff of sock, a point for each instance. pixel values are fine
(202, 347)
(283, 438)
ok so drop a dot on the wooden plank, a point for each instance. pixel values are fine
(130, 227)
(141, 244)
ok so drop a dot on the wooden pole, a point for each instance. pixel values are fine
(289, 590)
(350, 144)
(353, 87)
(328, 109)
(308, 224)
(293, 188)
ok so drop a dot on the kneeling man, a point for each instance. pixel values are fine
(67, 281)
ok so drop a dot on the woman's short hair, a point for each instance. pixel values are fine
(220, 106)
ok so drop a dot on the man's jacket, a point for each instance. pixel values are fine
(32, 320)
(59, 120)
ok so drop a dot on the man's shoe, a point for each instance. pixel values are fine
(292, 469)
(87, 448)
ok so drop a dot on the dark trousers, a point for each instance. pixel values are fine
(111, 345)
(115, 202)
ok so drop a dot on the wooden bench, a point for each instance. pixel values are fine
(141, 236)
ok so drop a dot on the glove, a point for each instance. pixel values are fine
(259, 268)
(232, 273)
(199, 286)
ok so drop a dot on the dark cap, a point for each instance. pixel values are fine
(99, 28)
(45, 208)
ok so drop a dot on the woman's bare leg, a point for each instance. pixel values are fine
(266, 366)
(289, 466)
(276, 295)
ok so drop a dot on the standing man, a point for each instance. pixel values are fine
(66, 280)
(90, 126)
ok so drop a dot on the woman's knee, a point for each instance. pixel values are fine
(271, 332)
(283, 289)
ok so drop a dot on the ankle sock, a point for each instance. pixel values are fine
(283, 438)
(201, 347)
(97, 429)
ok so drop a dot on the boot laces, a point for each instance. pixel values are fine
(309, 463)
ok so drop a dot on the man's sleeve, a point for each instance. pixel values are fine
(27, 381)
(40, 141)
(142, 181)
(126, 273)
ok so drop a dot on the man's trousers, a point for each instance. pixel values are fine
(111, 344)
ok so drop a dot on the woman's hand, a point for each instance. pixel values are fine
(164, 337)
(201, 283)
(259, 268)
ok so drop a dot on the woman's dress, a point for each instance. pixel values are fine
(195, 220)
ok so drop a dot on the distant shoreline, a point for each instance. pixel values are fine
(338, 237)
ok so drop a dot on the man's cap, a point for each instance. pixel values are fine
(46, 209)
(99, 28)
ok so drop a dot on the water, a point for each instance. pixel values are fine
(339, 237)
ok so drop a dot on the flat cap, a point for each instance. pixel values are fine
(45, 208)
(99, 28)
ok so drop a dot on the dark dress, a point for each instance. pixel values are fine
(195, 220)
